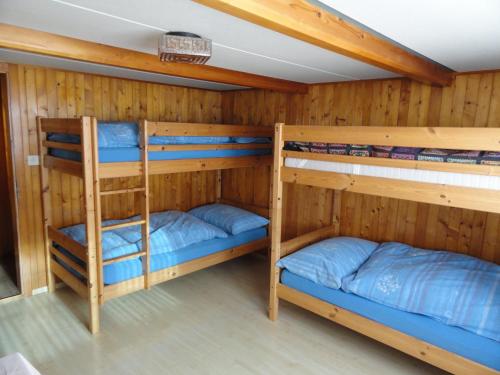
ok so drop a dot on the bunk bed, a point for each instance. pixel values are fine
(75, 255)
(319, 156)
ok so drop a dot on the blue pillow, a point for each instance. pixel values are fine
(118, 134)
(251, 139)
(110, 135)
(231, 219)
(455, 289)
(327, 262)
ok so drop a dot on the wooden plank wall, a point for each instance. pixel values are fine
(472, 100)
(47, 92)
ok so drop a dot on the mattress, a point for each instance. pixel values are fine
(456, 340)
(417, 175)
(121, 271)
(127, 154)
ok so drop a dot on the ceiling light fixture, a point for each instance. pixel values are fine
(179, 46)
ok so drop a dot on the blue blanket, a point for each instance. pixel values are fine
(113, 245)
(172, 230)
(455, 289)
(169, 231)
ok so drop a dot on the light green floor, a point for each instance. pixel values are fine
(210, 322)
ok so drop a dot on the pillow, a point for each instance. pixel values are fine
(110, 135)
(251, 139)
(231, 219)
(327, 262)
(118, 134)
(172, 230)
(455, 289)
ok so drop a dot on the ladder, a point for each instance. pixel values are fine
(144, 252)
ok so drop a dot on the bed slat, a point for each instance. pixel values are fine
(300, 242)
(74, 247)
(68, 261)
(227, 146)
(69, 279)
(207, 130)
(129, 286)
(396, 339)
(62, 125)
(445, 195)
(71, 167)
(129, 169)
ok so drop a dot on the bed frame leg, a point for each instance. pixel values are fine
(276, 219)
(46, 203)
(273, 293)
(93, 310)
(90, 222)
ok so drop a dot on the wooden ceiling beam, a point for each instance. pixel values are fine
(312, 24)
(28, 40)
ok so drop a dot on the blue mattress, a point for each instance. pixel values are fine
(457, 340)
(121, 271)
(126, 154)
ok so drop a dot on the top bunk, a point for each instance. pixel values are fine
(457, 167)
(119, 149)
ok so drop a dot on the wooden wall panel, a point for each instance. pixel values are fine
(472, 100)
(47, 92)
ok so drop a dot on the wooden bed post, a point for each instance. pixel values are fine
(90, 220)
(276, 214)
(144, 140)
(98, 217)
(46, 203)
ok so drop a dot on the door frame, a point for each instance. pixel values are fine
(5, 111)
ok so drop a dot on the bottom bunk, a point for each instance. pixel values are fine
(129, 269)
(453, 339)
(376, 289)
(180, 243)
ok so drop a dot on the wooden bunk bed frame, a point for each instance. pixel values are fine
(91, 172)
(485, 139)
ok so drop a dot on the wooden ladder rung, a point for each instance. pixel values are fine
(123, 225)
(124, 257)
(122, 191)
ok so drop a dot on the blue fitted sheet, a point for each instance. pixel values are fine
(126, 134)
(121, 271)
(127, 154)
(457, 340)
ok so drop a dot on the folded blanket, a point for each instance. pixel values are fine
(406, 153)
(338, 149)
(382, 151)
(318, 147)
(491, 158)
(360, 150)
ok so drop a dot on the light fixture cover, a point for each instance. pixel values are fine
(177, 46)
